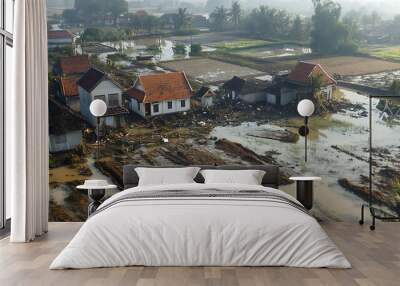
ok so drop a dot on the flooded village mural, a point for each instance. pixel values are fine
(218, 82)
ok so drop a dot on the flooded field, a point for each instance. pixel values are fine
(348, 130)
(208, 70)
(350, 66)
(161, 49)
(275, 51)
(207, 39)
(380, 80)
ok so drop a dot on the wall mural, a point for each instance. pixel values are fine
(218, 91)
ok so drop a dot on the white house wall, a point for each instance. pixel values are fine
(73, 139)
(85, 100)
(105, 88)
(162, 107)
(288, 96)
(133, 106)
(271, 98)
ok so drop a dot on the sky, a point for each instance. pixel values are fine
(386, 8)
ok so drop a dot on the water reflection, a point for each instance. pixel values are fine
(347, 130)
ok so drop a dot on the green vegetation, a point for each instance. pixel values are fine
(195, 50)
(242, 44)
(89, 9)
(181, 19)
(179, 49)
(104, 34)
(384, 52)
(329, 35)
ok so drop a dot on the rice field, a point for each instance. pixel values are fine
(351, 66)
(391, 53)
(209, 70)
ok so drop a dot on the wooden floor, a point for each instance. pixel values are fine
(375, 257)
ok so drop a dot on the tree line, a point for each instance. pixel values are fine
(327, 31)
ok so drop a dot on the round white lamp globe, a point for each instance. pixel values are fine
(98, 108)
(306, 108)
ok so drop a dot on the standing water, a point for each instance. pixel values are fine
(347, 130)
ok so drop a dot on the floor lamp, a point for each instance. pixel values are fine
(98, 108)
(306, 109)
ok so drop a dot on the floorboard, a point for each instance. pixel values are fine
(375, 257)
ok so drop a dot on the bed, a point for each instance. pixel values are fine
(198, 224)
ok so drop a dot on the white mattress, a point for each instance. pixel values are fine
(200, 232)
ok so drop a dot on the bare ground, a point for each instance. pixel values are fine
(210, 70)
(347, 65)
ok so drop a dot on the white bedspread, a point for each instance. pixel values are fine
(202, 232)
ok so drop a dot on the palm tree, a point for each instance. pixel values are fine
(236, 13)
(182, 19)
(219, 18)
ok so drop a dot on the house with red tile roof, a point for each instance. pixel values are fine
(299, 84)
(73, 65)
(67, 91)
(157, 94)
(95, 84)
(58, 38)
(70, 69)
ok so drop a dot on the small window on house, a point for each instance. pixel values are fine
(102, 97)
(60, 139)
(156, 108)
(113, 100)
(169, 104)
(183, 103)
(138, 105)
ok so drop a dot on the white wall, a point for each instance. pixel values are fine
(73, 139)
(271, 98)
(287, 96)
(105, 88)
(133, 106)
(162, 107)
(207, 101)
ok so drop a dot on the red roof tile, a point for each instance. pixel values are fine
(59, 34)
(161, 87)
(303, 73)
(75, 64)
(69, 87)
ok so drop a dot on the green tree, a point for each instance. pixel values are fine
(297, 32)
(195, 50)
(219, 18)
(180, 49)
(71, 16)
(89, 9)
(236, 14)
(181, 19)
(328, 34)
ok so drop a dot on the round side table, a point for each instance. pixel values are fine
(95, 193)
(304, 190)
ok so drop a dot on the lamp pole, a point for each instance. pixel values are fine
(305, 138)
(306, 109)
(98, 108)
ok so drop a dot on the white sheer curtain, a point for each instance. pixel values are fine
(27, 124)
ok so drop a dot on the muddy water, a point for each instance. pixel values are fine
(271, 52)
(61, 192)
(380, 80)
(346, 130)
(138, 47)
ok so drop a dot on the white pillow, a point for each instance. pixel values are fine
(166, 176)
(243, 177)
